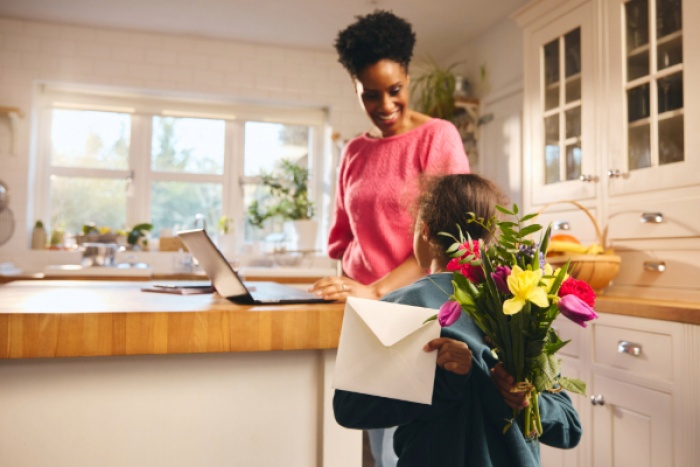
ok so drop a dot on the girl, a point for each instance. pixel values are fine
(472, 397)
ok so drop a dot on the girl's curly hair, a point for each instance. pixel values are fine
(445, 202)
(373, 37)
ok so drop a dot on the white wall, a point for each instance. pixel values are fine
(31, 52)
(500, 52)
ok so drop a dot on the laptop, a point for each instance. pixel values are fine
(227, 282)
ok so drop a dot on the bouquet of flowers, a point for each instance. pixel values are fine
(513, 295)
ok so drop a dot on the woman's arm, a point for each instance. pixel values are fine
(342, 287)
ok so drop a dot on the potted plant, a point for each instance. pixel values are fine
(225, 238)
(434, 89)
(288, 199)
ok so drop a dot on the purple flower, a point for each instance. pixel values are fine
(500, 277)
(576, 309)
(449, 313)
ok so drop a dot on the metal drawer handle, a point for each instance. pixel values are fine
(588, 178)
(630, 348)
(655, 266)
(652, 218)
(598, 399)
(561, 225)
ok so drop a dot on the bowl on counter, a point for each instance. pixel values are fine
(99, 254)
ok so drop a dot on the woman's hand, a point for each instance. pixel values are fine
(340, 288)
(505, 383)
(453, 355)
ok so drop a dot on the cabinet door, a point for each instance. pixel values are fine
(553, 457)
(654, 108)
(633, 426)
(561, 70)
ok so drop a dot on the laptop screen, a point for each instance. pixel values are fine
(222, 276)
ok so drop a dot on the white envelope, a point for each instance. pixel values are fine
(381, 350)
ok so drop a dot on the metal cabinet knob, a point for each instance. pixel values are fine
(614, 173)
(561, 225)
(655, 266)
(598, 399)
(651, 218)
(587, 178)
(630, 348)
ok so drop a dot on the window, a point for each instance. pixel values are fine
(117, 161)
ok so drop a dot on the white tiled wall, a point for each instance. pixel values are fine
(31, 52)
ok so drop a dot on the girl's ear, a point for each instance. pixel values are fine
(424, 231)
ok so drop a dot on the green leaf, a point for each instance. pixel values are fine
(504, 210)
(527, 217)
(530, 229)
(432, 318)
(573, 385)
(548, 372)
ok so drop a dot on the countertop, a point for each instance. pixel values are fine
(43, 318)
(107, 318)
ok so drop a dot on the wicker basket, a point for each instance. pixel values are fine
(596, 270)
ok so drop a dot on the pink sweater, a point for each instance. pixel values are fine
(378, 182)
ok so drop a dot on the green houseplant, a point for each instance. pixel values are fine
(434, 87)
(288, 195)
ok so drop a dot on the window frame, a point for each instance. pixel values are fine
(143, 107)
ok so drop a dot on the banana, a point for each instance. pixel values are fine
(576, 248)
(566, 247)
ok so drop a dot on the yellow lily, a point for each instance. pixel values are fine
(524, 285)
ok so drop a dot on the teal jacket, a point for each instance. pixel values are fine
(464, 425)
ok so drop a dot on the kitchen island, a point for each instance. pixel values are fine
(150, 379)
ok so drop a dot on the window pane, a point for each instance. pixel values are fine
(573, 162)
(551, 75)
(670, 92)
(671, 141)
(76, 201)
(88, 139)
(268, 143)
(174, 205)
(639, 152)
(192, 145)
(638, 103)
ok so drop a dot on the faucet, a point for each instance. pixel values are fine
(200, 217)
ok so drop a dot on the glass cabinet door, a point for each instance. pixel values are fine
(648, 86)
(563, 153)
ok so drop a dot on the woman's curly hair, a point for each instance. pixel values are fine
(373, 37)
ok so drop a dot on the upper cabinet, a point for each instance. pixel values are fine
(654, 110)
(560, 94)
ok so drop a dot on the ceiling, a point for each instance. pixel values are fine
(442, 26)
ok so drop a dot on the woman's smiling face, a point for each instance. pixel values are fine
(383, 92)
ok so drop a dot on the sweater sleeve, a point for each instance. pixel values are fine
(340, 234)
(561, 426)
(362, 411)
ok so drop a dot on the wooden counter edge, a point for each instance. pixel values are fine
(48, 335)
(664, 310)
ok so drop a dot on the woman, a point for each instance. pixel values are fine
(380, 171)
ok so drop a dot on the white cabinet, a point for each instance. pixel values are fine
(641, 408)
(653, 104)
(633, 426)
(560, 73)
(635, 164)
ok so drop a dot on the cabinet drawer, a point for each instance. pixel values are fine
(655, 350)
(655, 219)
(568, 330)
(572, 222)
(659, 268)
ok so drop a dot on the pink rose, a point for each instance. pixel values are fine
(449, 313)
(576, 309)
(475, 274)
(579, 288)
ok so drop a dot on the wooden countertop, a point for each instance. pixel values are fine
(42, 318)
(102, 318)
(665, 310)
